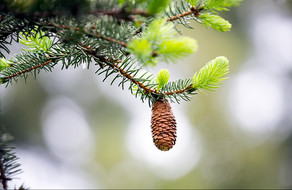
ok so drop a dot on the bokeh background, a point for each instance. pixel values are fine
(73, 131)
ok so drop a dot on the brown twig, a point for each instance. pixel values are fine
(95, 33)
(114, 65)
(193, 10)
(179, 16)
(146, 89)
(179, 91)
(108, 38)
(29, 69)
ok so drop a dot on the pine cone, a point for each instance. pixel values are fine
(163, 125)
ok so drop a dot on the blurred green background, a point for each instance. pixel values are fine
(73, 131)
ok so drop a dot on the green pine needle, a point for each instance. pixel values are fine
(216, 22)
(159, 30)
(211, 75)
(37, 41)
(162, 78)
(177, 48)
(159, 38)
(221, 5)
(4, 63)
(141, 48)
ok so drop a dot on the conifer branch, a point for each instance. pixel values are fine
(3, 178)
(189, 88)
(193, 10)
(146, 89)
(106, 37)
(85, 31)
(113, 64)
(8, 165)
(109, 35)
(28, 70)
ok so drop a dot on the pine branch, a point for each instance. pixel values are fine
(113, 64)
(3, 178)
(193, 10)
(27, 70)
(85, 31)
(177, 90)
(8, 165)
(183, 90)
(146, 89)
(9, 28)
(106, 37)
(29, 62)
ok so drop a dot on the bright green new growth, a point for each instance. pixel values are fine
(211, 75)
(36, 41)
(216, 22)
(162, 78)
(220, 5)
(3, 64)
(141, 48)
(160, 39)
(177, 48)
(159, 31)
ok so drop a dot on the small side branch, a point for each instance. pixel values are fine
(113, 63)
(28, 70)
(94, 33)
(193, 10)
(189, 88)
(146, 89)
(107, 38)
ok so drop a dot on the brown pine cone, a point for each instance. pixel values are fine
(163, 125)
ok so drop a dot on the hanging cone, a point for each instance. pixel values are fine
(163, 125)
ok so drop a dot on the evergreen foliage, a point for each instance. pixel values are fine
(8, 160)
(215, 21)
(106, 35)
(3, 64)
(211, 75)
(36, 41)
(162, 78)
(118, 38)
